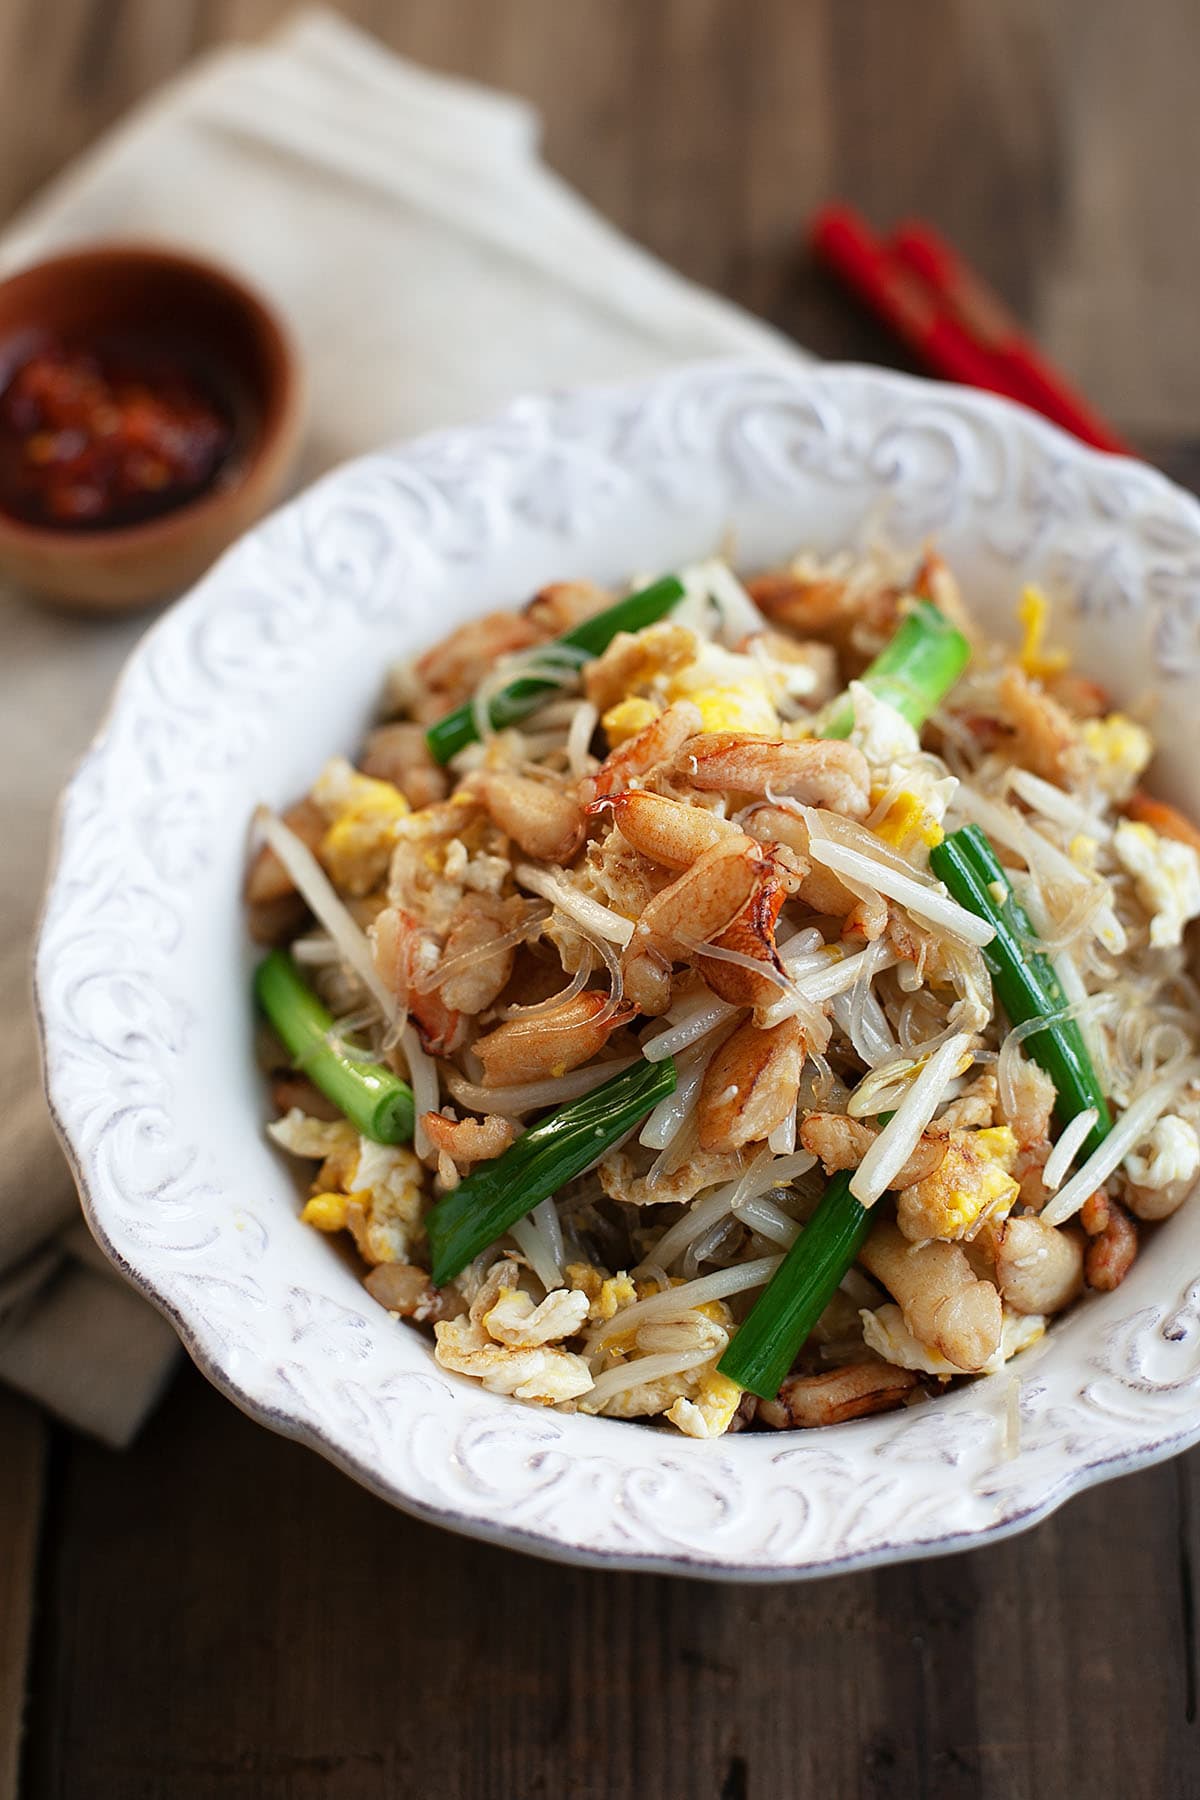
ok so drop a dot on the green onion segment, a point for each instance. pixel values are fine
(765, 1345)
(575, 647)
(913, 672)
(1024, 979)
(378, 1104)
(552, 1152)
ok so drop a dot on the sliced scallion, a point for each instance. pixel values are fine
(552, 1152)
(1024, 978)
(766, 1344)
(574, 648)
(913, 672)
(376, 1101)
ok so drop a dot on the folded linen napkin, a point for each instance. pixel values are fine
(430, 266)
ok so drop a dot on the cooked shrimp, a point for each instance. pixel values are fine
(1033, 1097)
(1154, 1203)
(276, 921)
(1082, 698)
(267, 880)
(1111, 1252)
(851, 1392)
(752, 934)
(467, 1141)
(841, 1143)
(546, 822)
(706, 898)
(652, 748)
(478, 958)
(832, 775)
(646, 975)
(404, 1289)
(812, 602)
(750, 1085)
(562, 605)
(453, 669)
(405, 956)
(1047, 740)
(667, 831)
(529, 1050)
(1039, 1268)
(818, 887)
(1166, 820)
(943, 1304)
(935, 581)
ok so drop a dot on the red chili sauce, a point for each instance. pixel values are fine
(92, 438)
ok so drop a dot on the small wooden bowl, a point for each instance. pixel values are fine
(135, 291)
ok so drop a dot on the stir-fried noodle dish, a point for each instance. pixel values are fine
(732, 1004)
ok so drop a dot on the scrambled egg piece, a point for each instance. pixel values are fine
(502, 1343)
(330, 1212)
(731, 691)
(973, 1182)
(372, 1190)
(710, 1414)
(881, 733)
(703, 1328)
(915, 800)
(391, 1178)
(516, 1321)
(540, 1373)
(318, 1138)
(363, 814)
(1118, 751)
(647, 1398)
(1166, 878)
(638, 662)
(624, 720)
(885, 1332)
(606, 1294)
(1170, 1153)
(1033, 610)
(907, 820)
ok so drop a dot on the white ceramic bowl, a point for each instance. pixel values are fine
(275, 662)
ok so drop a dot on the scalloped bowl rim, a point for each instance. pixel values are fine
(1142, 1401)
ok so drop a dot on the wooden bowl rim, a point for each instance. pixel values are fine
(273, 435)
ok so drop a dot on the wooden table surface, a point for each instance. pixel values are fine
(217, 1611)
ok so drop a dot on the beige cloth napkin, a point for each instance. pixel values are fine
(430, 266)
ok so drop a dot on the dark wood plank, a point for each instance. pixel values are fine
(1117, 299)
(1031, 1661)
(227, 1611)
(22, 1448)
(69, 70)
